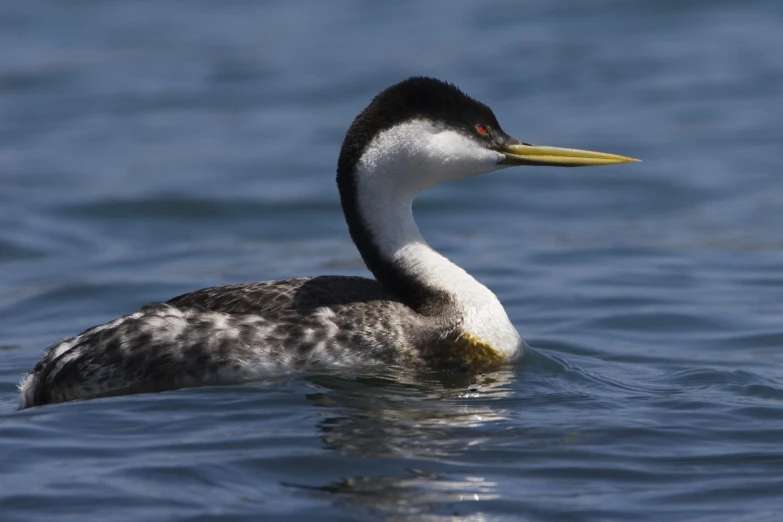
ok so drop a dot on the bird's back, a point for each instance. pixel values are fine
(230, 334)
(287, 294)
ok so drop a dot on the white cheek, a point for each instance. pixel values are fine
(418, 155)
(456, 156)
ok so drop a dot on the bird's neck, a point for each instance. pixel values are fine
(380, 218)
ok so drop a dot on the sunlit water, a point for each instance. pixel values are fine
(151, 148)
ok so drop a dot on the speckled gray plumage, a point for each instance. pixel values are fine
(237, 333)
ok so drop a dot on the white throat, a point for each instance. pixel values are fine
(399, 164)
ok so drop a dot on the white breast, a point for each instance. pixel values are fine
(399, 164)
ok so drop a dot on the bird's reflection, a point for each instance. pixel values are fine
(417, 495)
(416, 427)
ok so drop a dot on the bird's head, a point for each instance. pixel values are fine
(422, 132)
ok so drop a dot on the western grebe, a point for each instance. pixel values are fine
(421, 310)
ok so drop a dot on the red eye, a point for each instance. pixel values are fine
(482, 129)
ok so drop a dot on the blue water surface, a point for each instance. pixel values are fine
(151, 148)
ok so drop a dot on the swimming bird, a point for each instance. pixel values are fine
(421, 310)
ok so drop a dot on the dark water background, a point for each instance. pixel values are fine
(150, 148)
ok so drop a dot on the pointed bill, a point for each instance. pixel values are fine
(521, 154)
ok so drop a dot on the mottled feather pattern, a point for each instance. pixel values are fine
(233, 334)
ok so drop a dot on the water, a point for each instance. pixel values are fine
(151, 148)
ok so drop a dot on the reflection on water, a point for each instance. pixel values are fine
(428, 418)
(430, 423)
(410, 421)
(415, 494)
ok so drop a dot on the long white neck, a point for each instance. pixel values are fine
(385, 191)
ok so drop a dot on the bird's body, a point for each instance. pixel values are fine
(240, 333)
(420, 311)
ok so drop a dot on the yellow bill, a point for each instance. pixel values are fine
(522, 154)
